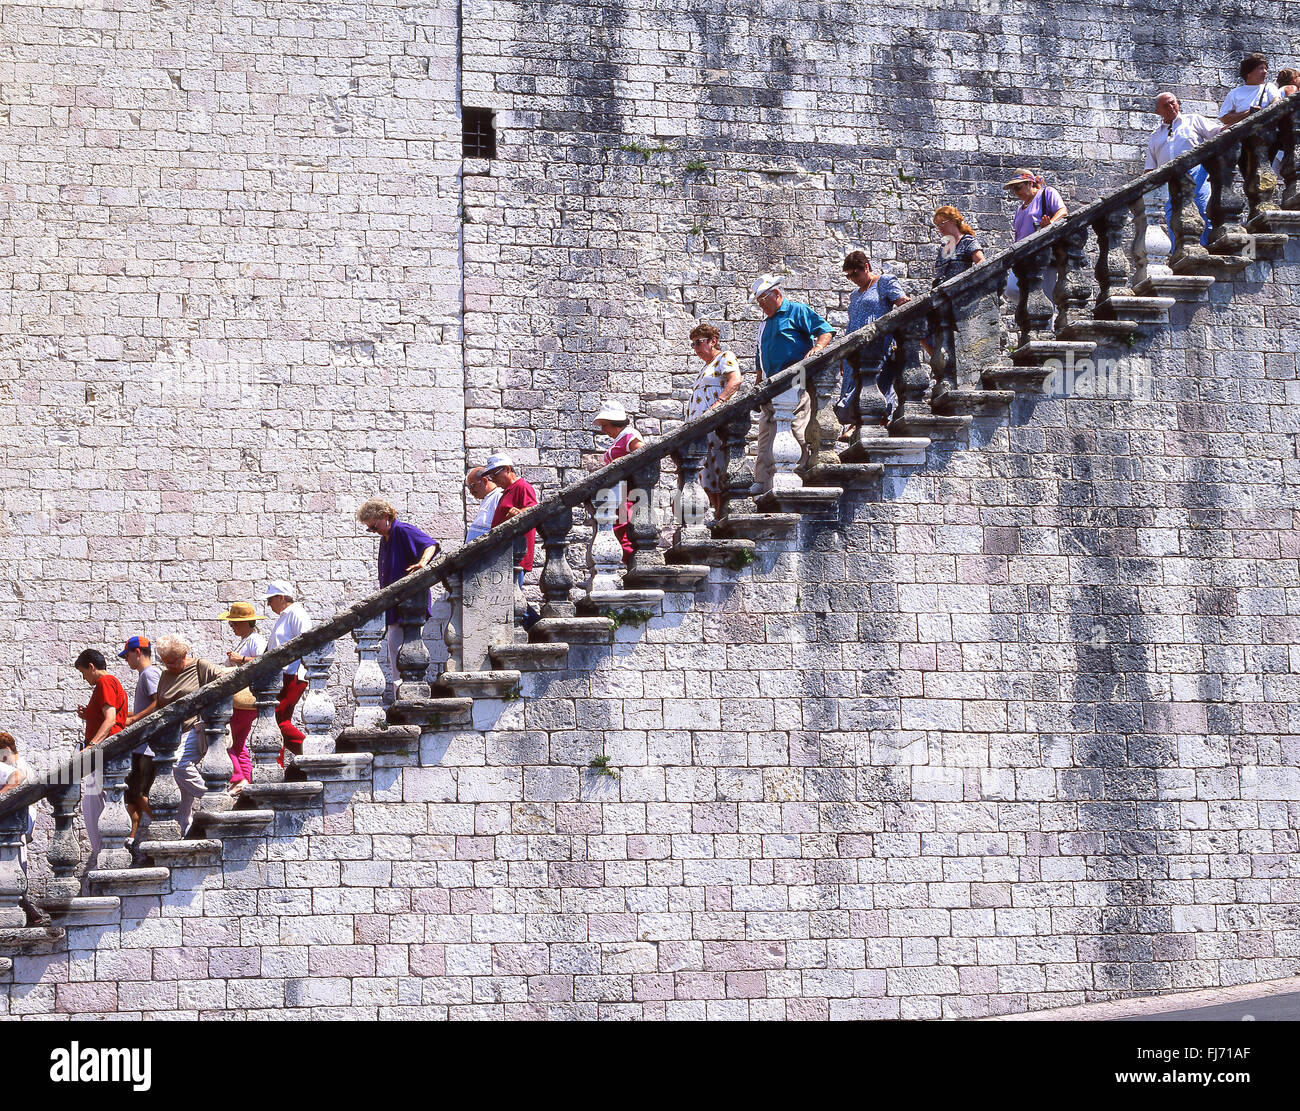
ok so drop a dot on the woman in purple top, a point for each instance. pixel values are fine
(403, 549)
(1040, 205)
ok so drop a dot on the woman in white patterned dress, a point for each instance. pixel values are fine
(719, 379)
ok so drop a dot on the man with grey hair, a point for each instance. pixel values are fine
(488, 494)
(183, 674)
(790, 331)
(1178, 133)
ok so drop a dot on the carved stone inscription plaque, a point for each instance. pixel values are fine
(489, 608)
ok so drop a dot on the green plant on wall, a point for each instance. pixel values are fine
(600, 766)
(635, 618)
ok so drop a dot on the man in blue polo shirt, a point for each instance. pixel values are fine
(791, 331)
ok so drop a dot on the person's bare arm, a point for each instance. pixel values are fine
(821, 341)
(17, 779)
(110, 716)
(976, 257)
(131, 719)
(1060, 214)
(1233, 117)
(730, 384)
(423, 561)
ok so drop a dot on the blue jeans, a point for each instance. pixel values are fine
(1201, 181)
(846, 409)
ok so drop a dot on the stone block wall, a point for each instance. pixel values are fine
(654, 159)
(1020, 734)
(230, 298)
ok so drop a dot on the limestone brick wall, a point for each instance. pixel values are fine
(1019, 734)
(653, 159)
(230, 309)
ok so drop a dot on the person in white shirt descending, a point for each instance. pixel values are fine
(488, 494)
(1178, 132)
(1254, 93)
(291, 620)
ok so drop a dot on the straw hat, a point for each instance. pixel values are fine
(241, 611)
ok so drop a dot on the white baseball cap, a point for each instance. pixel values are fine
(496, 461)
(766, 282)
(278, 586)
(611, 411)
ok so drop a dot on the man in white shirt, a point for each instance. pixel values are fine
(291, 620)
(488, 494)
(1178, 132)
(1255, 92)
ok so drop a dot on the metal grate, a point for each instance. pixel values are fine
(479, 135)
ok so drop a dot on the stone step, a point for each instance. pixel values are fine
(290, 795)
(969, 402)
(37, 940)
(1147, 311)
(334, 767)
(1267, 246)
(573, 630)
(597, 602)
(84, 910)
(756, 526)
(1177, 287)
(181, 854)
(232, 823)
(933, 426)
(535, 656)
(732, 554)
(1283, 220)
(477, 684)
(1018, 379)
(676, 577)
(1039, 351)
(1211, 265)
(393, 738)
(846, 475)
(429, 711)
(816, 502)
(1109, 332)
(130, 881)
(886, 449)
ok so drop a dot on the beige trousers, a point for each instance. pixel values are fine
(764, 467)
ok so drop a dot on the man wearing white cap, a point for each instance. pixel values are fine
(791, 331)
(291, 620)
(613, 421)
(517, 495)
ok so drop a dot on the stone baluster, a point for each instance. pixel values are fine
(318, 706)
(557, 574)
(13, 880)
(453, 632)
(1034, 311)
(368, 680)
(165, 795)
(691, 508)
(1150, 247)
(643, 522)
(64, 852)
(1287, 136)
(736, 498)
(215, 766)
(1073, 284)
(1112, 268)
(943, 361)
(413, 656)
(786, 452)
(114, 821)
(1186, 223)
(1227, 202)
(913, 378)
(265, 739)
(823, 384)
(1259, 182)
(606, 551)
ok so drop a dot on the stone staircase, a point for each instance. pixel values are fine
(1106, 301)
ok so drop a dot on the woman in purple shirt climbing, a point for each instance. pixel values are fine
(403, 549)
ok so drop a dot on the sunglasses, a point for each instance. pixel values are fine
(697, 342)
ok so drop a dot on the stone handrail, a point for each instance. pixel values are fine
(955, 290)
